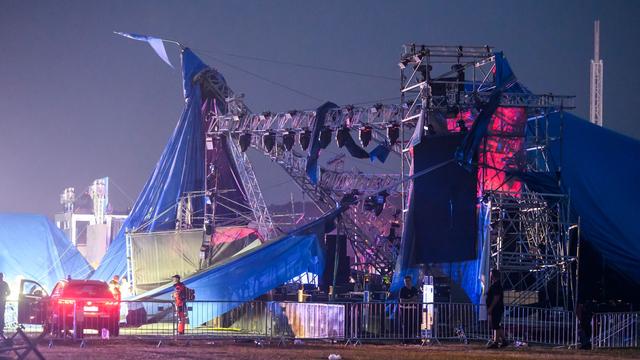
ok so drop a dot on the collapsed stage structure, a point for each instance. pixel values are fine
(475, 147)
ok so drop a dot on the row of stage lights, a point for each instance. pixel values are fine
(365, 135)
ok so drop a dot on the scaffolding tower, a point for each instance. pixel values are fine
(529, 231)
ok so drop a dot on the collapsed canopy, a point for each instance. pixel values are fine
(600, 173)
(179, 170)
(33, 248)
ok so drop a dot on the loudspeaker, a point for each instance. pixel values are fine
(342, 277)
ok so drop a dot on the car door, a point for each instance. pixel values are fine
(32, 302)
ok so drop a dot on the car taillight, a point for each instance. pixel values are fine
(66, 301)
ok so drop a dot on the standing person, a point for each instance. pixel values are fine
(4, 293)
(409, 313)
(495, 310)
(180, 298)
(114, 286)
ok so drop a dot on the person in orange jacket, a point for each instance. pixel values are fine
(180, 299)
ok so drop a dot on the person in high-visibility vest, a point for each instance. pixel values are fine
(180, 299)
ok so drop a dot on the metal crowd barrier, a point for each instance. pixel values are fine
(340, 321)
(615, 330)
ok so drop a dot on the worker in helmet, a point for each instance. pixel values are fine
(180, 299)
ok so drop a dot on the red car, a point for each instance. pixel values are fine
(89, 302)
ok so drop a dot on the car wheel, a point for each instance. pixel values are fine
(80, 331)
(114, 330)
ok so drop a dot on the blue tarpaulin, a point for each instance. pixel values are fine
(314, 152)
(34, 248)
(599, 171)
(179, 170)
(247, 276)
(504, 81)
(466, 274)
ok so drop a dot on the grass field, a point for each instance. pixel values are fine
(129, 349)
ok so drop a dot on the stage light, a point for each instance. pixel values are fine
(288, 139)
(350, 198)
(376, 108)
(365, 135)
(269, 140)
(429, 130)
(403, 63)
(341, 136)
(245, 141)
(265, 115)
(393, 133)
(462, 126)
(325, 137)
(375, 203)
(305, 139)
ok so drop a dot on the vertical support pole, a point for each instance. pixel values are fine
(336, 253)
(575, 305)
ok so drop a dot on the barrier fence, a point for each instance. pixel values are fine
(349, 322)
(615, 330)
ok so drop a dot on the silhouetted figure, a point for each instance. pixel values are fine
(495, 310)
(4, 293)
(409, 310)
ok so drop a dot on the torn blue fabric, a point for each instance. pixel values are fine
(380, 152)
(599, 171)
(247, 276)
(179, 170)
(156, 44)
(314, 152)
(504, 78)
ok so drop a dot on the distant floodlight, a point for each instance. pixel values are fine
(341, 136)
(325, 137)
(269, 140)
(245, 141)
(393, 133)
(305, 139)
(365, 135)
(288, 139)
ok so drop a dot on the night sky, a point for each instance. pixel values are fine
(78, 102)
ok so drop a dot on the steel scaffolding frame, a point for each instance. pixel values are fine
(233, 105)
(529, 244)
(424, 97)
(529, 232)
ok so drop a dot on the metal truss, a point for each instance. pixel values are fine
(253, 193)
(529, 244)
(214, 89)
(367, 241)
(377, 116)
(344, 182)
(529, 231)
